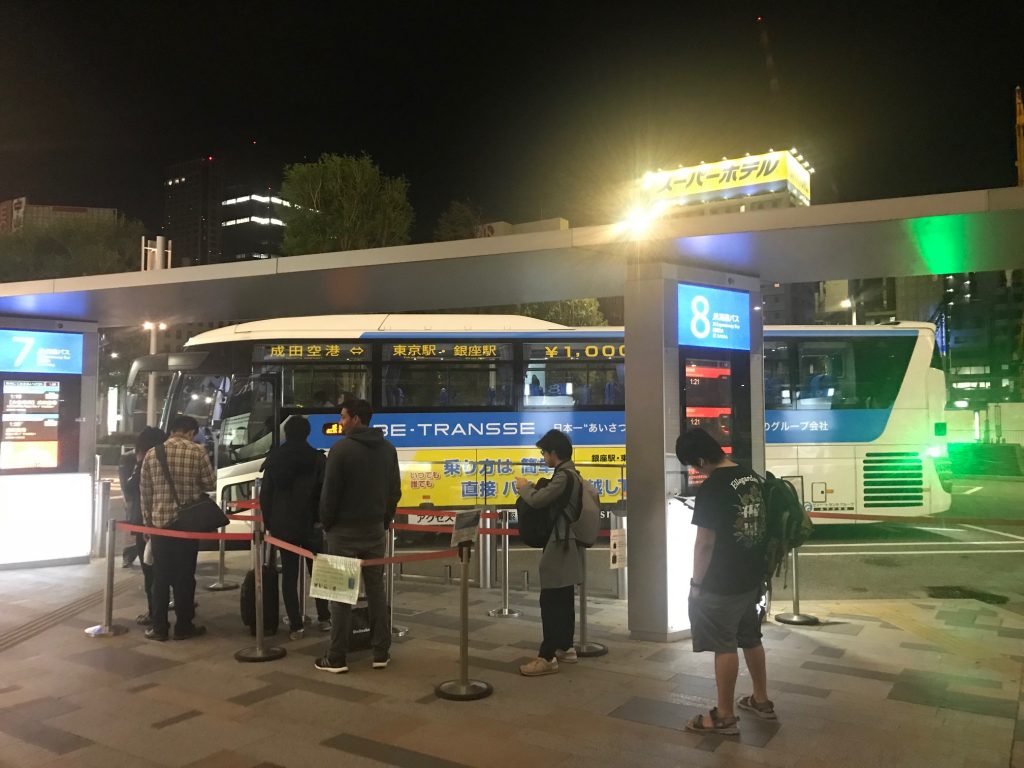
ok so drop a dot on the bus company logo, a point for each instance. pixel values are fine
(460, 429)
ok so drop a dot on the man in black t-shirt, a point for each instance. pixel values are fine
(728, 570)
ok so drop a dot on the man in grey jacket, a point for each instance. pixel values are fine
(361, 490)
(561, 566)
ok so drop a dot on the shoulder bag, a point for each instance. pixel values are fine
(199, 516)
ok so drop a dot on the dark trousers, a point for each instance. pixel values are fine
(174, 566)
(364, 542)
(290, 584)
(147, 571)
(558, 619)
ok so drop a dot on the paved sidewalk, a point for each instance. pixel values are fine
(903, 683)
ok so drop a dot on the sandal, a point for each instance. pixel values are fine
(763, 709)
(726, 726)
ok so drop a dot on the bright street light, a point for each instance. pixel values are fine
(845, 303)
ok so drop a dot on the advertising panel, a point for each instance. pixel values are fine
(751, 175)
(29, 425)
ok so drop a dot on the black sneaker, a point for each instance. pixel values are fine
(189, 632)
(380, 660)
(155, 634)
(324, 664)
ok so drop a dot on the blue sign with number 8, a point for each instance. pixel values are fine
(713, 317)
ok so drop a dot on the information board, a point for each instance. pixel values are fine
(29, 425)
(40, 352)
(713, 317)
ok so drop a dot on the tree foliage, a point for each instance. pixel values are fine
(70, 248)
(461, 220)
(343, 203)
(572, 312)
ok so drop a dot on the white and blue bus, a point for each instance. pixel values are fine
(854, 415)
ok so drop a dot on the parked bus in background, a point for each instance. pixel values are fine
(854, 415)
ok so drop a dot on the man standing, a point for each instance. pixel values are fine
(728, 572)
(362, 487)
(174, 559)
(561, 563)
(293, 476)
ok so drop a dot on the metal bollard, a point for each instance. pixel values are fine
(108, 628)
(801, 619)
(586, 648)
(504, 612)
(260, 652)
(485, 548)
(220, 585)
(526, 581)
(101, 513)
(397, 630)
(464, 689)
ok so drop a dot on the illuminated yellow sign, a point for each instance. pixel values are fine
(752, 175)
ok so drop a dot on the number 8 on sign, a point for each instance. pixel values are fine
(700, 325)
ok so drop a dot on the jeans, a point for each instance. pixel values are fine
(174, 566)
(364, 542)
(558, 620)
(293, 603)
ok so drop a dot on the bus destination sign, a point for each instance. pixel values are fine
(312, 352)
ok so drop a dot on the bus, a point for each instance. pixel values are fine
(853, 415)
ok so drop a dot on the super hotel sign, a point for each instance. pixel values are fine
(752, 175)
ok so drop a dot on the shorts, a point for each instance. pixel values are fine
(723, 623)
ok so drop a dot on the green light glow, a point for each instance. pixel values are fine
(943, 242)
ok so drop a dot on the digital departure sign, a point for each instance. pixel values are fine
(40, 352)
(29, 425)
(713, 317)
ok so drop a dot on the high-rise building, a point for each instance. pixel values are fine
(193, 192)
(252, 224)
(19, 215)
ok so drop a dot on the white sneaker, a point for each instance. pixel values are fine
(567, 657)
(539, 667)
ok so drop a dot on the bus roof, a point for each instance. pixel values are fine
(359, 326)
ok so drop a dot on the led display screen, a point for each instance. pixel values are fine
(713, 317)
(40, 352)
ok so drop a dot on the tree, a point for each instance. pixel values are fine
(461, 220)
(343, 203)
(572, 312)
(70, 248)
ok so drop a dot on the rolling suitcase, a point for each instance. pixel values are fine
(271, 601)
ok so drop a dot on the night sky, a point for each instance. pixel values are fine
(531, 110)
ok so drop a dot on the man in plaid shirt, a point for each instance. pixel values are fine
(174, 559)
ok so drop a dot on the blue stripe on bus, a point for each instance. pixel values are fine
(484, 429)
(825, 426)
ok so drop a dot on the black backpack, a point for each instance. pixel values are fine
(536, 524)
(787, 523)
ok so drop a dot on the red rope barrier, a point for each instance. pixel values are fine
(410, 558)
(183, 534)
(421, 528)
(245, 518)
(244, 504)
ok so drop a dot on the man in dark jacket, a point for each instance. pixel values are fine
(293, 476)
(130, 471)
(362, 487)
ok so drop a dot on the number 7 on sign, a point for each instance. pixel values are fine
(28, 342)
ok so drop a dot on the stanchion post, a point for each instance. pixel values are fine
(260, 652)
(586, 648)
(464, 689)
(108, 628)
(797, 618)
(485, 548)
(397, 630)
(220, 585)
(504, 612)
(621, 574)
